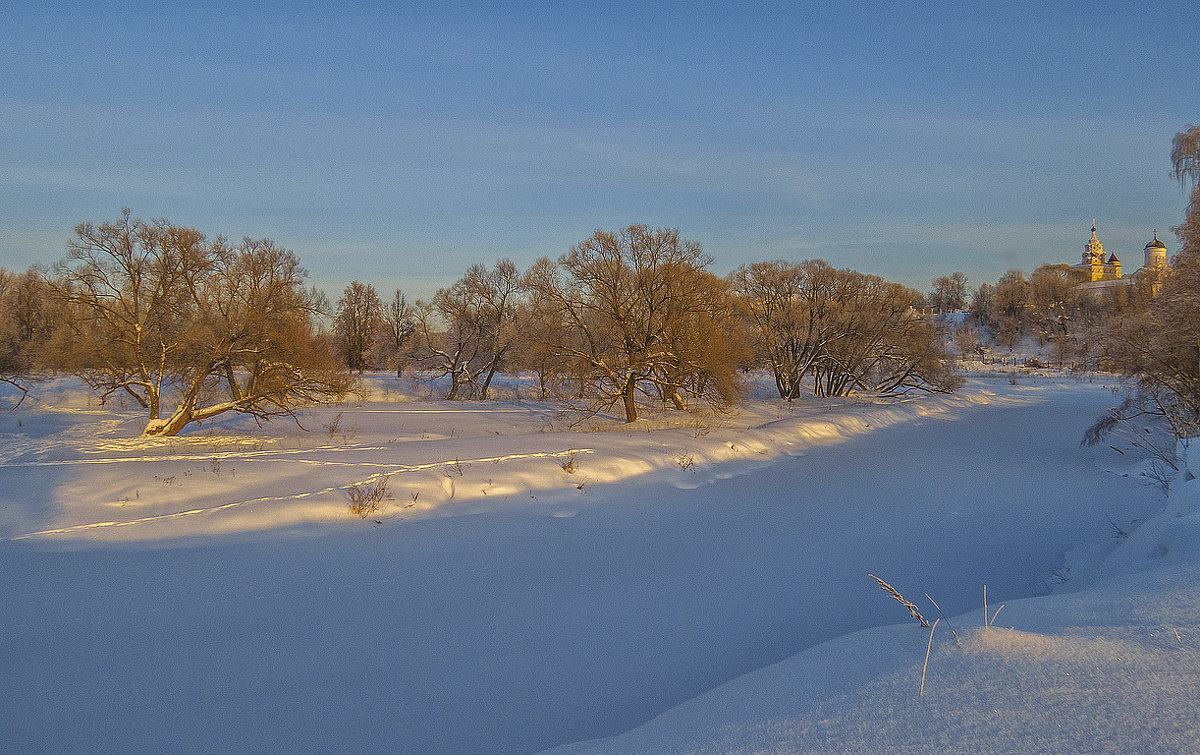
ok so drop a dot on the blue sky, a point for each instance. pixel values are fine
(399, 143)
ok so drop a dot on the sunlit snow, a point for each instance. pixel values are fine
(687, 583)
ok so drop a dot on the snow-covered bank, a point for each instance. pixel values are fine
(1114, 667)
(439, 458)
(511, 622)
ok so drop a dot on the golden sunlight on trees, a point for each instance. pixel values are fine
(843, 330)
(191, 327)
(637, 312)
(1161, 346)
(171, 318)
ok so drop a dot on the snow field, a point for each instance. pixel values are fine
(234, 477)
(634, 604)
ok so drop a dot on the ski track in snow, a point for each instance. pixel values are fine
(392, 469)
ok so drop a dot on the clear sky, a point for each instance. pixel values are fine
(398, 143)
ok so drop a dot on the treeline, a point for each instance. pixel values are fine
(1050, 307)
(637, 313)
(1149, 330)
(190, 327)
(158, 312)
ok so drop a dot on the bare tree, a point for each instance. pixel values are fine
(983, 305)
(637, 308)
(478, 312)
(163, 314)
(357, 321)
(777, 300)
(12, 362)
(1057, 307)
(966, 342)
(874, 339)
(1185, 159)
(949, 293)
(842, 329)
(26, 316)
(1009, 301)
(398, 326)
(703, 343)
(538, 349)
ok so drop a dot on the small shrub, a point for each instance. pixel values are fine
(334, 426)
(366, 497)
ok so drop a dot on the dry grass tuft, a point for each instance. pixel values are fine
(366, 497)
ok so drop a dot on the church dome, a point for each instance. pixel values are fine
(1156, 244)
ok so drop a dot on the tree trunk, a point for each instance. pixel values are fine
(630, 405)
(171, 426)
(185, 413)
(483, 392)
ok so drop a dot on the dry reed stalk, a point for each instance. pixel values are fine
(947, 621)
(916, 614)
(927, 649)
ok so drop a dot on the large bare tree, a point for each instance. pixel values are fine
(842, 330)
(189, 327)
(636, 312)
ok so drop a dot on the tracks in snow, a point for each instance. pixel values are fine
(392, 469)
